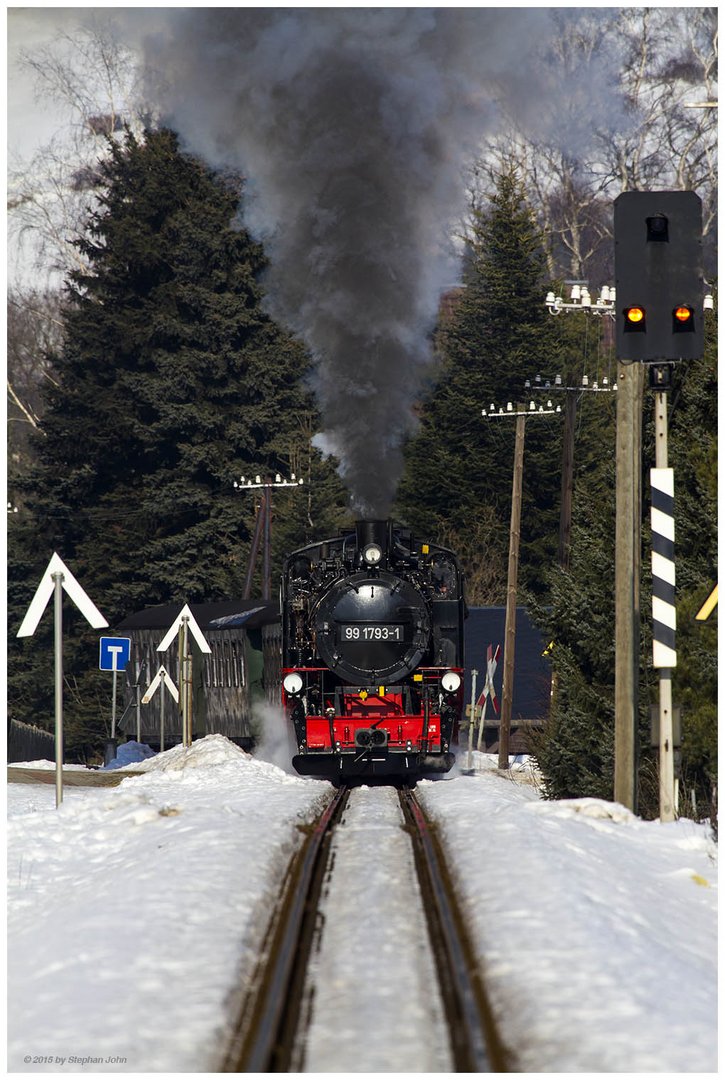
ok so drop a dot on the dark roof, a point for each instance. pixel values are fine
(532, 672)
(221, 615)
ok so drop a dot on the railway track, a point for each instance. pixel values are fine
(475, 1043)
(274, 1032)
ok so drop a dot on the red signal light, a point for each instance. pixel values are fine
(682, 314)
(634, 315)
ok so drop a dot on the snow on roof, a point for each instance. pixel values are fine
(252, 613)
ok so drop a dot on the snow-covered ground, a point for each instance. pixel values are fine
(133, 912)
(596, 931)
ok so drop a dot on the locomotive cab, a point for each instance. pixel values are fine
(373, 654)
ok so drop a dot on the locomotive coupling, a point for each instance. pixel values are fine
(371, 737)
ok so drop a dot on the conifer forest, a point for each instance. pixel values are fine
(228, 268)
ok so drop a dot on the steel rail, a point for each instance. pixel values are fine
(265, 1031)
(476, 1045)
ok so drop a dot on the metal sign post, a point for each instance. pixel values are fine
(58, 603)
(56, 578)
(113, 656)
(185, 622)
(472, 722)
(162, 746)
(161, 680)
(185, 681)
(481, 722)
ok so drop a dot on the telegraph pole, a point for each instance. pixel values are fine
(567, 480)
(581, 301)
(573, 393)
(627, 569)
(263, 526)
(513, 567)
(511, 593)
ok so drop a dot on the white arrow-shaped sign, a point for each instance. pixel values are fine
(193, 625)
(44, 592)
(162, 673)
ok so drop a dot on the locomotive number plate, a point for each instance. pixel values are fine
(368, 632)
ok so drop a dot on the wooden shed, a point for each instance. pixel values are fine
(242, 670)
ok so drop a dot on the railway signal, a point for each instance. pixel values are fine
(659, 319)
(659, 279)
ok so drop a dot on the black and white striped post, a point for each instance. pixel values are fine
(664, 621)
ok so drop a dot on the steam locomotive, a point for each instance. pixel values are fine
(372, 654)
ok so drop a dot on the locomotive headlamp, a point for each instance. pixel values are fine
(293, 683)
(451, 681)
(372, 554)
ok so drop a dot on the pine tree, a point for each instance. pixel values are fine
(693, 457)
(171, 383)
(457, 481)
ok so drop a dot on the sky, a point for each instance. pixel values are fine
(28, 124)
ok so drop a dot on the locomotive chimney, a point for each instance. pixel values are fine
(374, 540)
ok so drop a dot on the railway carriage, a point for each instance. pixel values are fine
(372, 654)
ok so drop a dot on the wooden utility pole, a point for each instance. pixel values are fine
(511, 593)
(567, 479)
(251, 563)
(627, 567)
(263, 529)
(267, 572)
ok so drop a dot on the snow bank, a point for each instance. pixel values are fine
(129, 753)
(596, 930)
(134, 911)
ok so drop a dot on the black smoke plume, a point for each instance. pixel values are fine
(352, 127)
